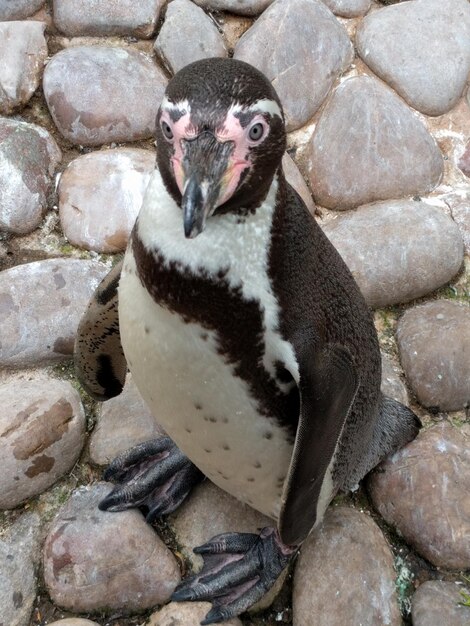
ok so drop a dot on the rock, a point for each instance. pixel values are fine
(95, 18)
(23, 51)
(434, 344)
(241, 7)
(437, 602)
(296, 180)
(461, 216)
(100, 195)
(18, 560)
(397, 250)
(123, 422)
(464, 161)
(302, 49)
(392, 385)
(422, 491)
(99, 95)
(97, 561)
(74, 621)
(348, 8)
(40, 305)
(420, 48)
(18, 9)
(184, 21)
(345, 574)
(28, 158)
(185, 614)
(42, 432)
(369, 146)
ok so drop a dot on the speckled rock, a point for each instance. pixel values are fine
(42, 432)
(461, 216)
(184, 21)
(422, 49)
(434, 344)
(100, 195)
(18, 559)
(436, 603)
(296, 180)
(41, 304)
(95, 560)
(302, 48)
(74, 621)
(23, 51)
(185, 614)
(423, 490)
(392, 384)
(99, 19)
(348, 8)
(369, 146)
(345, 574)
(123, 422)
(242, 7)
(18, 9)
(398, 250)
(84, 90)
(28, 158)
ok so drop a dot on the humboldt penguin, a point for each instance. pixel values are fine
(245, 333)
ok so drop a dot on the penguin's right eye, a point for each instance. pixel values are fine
(166, 130)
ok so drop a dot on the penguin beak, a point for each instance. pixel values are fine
(204, 165)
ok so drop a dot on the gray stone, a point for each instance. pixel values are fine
(100, 195)
(96, 18)
(98, 94)
(348, 8)
(42, 432)
(369, 146)
(392, 384)
(461, 216)
(242, 7)
(18, 9)
(186, 22)
(436, 603)
(23, 51)
(422, 49)
(74, 621)
(296, 180)
(345, 574)
(28, 158)
(41, 304)
(123, 422)
(186, 614)
(398, 250)
(302, 48)
(103, 561)
(464, 161)
(422, 491)
(434, 344)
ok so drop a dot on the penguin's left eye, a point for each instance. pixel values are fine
(256, 132)
(166, 130)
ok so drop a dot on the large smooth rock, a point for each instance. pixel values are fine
(302, 48)
(95, 18)
(184, 21)
(422, 490)
(434, 344)
(398, 250)
(345, 574)
(42, 432)
(102, 561)
(369, 146)
(23, 51)
(437, 603)
(18, 9)
(420, 48)
(41, 304)
(186, 614)
(100, 195)
(242, 7)
(28, 158)
(348, 8)
(98, 94)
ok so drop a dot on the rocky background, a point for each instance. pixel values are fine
(377, 107)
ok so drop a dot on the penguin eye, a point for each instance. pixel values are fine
(166, 130)
(256, 132)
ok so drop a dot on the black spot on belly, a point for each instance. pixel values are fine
(257, 464)
(212, 419)
(226, 446)
(268, 435)
(188, 430)
(225, 420)
(207, 450)
(250, 479)
(198, 407)
(147, 330)
(204, 336)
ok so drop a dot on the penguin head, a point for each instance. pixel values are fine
(220, 139)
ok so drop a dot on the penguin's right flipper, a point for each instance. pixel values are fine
(328, 385)
(99, 359)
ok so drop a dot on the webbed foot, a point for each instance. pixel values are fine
(154, 474)
(239, 568)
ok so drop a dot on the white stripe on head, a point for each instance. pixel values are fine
(260, 106)
(182, 106)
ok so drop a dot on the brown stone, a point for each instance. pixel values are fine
(185, 614)
(439, 603)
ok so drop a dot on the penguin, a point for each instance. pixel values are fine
(245, 333)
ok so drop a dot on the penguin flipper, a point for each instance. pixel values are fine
(328, 385)
(100, 363)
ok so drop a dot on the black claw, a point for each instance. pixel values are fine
(215, 615)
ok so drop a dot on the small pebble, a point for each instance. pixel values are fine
(348, 8)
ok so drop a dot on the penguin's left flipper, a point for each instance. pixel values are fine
(328, 385)
(99, 359)
(238, 570)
